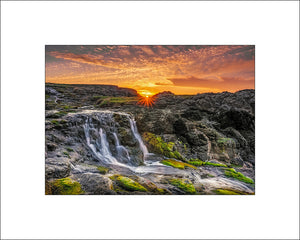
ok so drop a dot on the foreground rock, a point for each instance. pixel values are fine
(201, 144)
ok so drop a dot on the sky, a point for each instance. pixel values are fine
(181, 69)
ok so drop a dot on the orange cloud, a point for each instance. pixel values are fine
(154, 68)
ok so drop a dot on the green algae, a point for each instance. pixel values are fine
(215, 164)
(69, 149)
(225, 192)
(103, 170)
(66, 186)
(67, 154)
(128, 183)
(184, 184)
(197, 162)
(220, 191)
(55, 122)
(176, 164)
(231, 172)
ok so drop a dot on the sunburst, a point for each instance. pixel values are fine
(147, 101)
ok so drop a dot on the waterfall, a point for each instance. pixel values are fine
(100, 147)
(105, 147)
(122, 151)
(138, 137)
(96, 128)
(101, 124)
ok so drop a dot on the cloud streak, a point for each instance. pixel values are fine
(181, 68)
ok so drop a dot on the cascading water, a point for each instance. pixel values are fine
(96, 138)
(100, 145)
(138, 137)
(122, 151)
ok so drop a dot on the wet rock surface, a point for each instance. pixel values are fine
(92, 126)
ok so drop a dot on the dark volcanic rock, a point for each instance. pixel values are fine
(79, 95)
(57, 168)
(89, 126)
(95, 184)
(238, 119)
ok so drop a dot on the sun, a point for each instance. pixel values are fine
(145, 93)
(147, 101)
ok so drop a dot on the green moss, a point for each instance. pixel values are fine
(162, 191)
(48, 188)
(67, 154)
(104, 102)
(112, 101)
(55, 122)
(224, 140)
(230, 172)
(176, 164)
(157, 145)
(197, 162)
(66, 186)
(185, 148)
(184, 184)
(170, 146)
(103, 170)
(123, 99)
(98, 97)
(128, 183)
(47, 96)
(58, 123)
(215, 164)
(67, 107)
(61, 113)
(226, 192)
(69, 149)
(231, 192)
(177, 155)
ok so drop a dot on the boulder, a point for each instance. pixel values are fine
(95, 184)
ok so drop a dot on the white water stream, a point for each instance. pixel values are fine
(138, 137)
(96, 139)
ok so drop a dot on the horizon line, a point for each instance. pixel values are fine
(137, 90)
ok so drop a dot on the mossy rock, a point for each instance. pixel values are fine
(128, 183)
(115, 101)
(48, 188)
(231, 192)
(162, 191)
(67, 154)
(176, 164)
(152, 187)
(225, 140)
(231, 172)
(225, 192)
(66, 186)
(215, 164)
(157, 145)
(55, 122)
(197, 162)
(103, 170)
(184, 184)
(67, 107)
(69, 149)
